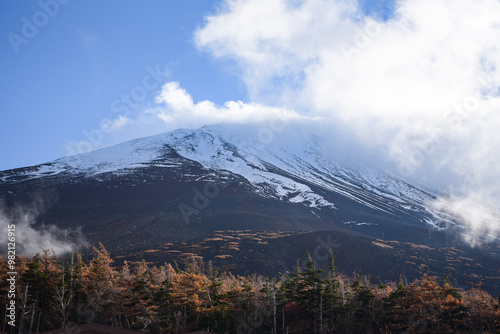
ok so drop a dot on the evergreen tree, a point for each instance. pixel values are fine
(332, 300)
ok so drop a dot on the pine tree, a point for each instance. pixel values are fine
(39, 283)
(331, 298)
(163, 297)
(362, 304)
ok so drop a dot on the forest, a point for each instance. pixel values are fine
(54, 293)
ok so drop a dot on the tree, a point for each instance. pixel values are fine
(303, 296)
(480, 310)
(35, 294)
(362, 304)
(64, 294)
(53, 294)
(427, 306)
(332, 301)
(99, 291)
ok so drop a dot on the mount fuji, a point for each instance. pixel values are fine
(251, 198)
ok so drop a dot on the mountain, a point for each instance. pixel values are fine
(252, 198)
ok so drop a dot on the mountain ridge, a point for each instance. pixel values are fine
(187, 144)
(182, 186)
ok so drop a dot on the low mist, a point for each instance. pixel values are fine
(31, 237)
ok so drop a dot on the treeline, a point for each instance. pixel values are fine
(52, 293)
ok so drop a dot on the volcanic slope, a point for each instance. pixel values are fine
(159, 196)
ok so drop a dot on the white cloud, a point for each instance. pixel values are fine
(420, 88)
(108, 125)
(481, 217)
(30, 238)
(177, 109)
(173, 108)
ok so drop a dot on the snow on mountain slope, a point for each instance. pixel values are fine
(286, 166)
(293, 160)
(123, 156)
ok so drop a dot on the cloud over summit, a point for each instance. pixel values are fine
(421, 88)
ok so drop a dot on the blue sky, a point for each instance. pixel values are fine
(64, 77)
(90, 53)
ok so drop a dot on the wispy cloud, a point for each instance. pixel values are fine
(482, 218)
(31, 237)
(174, 108)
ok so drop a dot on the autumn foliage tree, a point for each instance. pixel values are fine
(59, 293)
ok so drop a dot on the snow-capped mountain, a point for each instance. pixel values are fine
(265, 190)
(288, 167)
